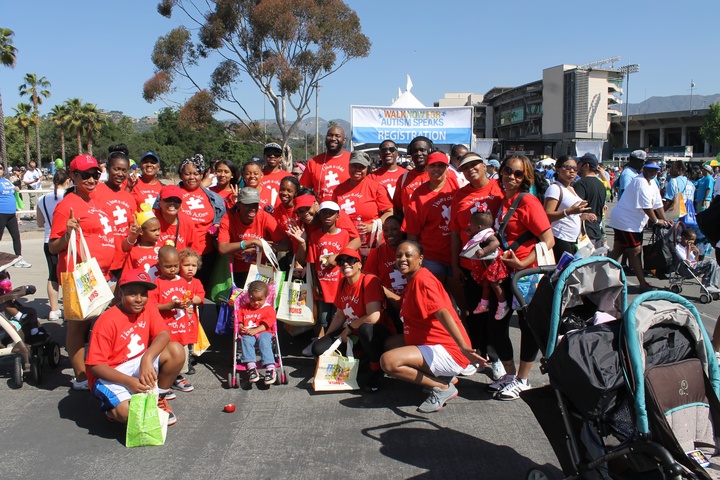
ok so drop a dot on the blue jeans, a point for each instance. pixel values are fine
(264, 342)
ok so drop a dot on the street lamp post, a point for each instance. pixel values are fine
(627, 70)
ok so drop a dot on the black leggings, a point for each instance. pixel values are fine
(500, 339)
(563, 246)
(476, 324)
(9, 221)
(372, 338)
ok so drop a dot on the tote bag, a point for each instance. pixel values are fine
(679, 206)
(267, 273)
(545, 256)
(296, 301)
(335, 373)
(147, 424)
(87, 290)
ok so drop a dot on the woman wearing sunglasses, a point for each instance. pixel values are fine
(360, 313)
(564, 207)
(527, 226)
(80, 210)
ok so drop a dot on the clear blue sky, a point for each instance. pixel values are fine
(100, 51)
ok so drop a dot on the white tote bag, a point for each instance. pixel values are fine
(267, 273)
(335, 373)
(93, 292)
(544, 255)
(296, 301)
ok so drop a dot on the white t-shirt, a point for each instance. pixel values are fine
(628, 215)
(32, 179)
(567, 228)
(46, 205)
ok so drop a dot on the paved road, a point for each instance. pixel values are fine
(281, 432)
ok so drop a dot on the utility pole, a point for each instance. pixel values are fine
(627, 70)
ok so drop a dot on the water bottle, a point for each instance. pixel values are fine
(584, 252)
(363, 236)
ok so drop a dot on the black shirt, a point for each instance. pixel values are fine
(592, 190)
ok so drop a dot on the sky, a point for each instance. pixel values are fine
(99, 51)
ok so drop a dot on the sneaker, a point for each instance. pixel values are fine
(498, 369)
(270, 376)
(79, 385)
(183, 385)
(470, 370)
(512, 390)
(374, 381)
(307, 351)
(55, 315)
(22, 264)
(481, 309)
(253, 376)
(437, 399)
(170, 395)
(163, 404)
(448, 380)
(501, 312)
(500, 383)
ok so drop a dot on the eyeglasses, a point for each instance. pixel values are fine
(346, 260)
(273, 154)
(570, 168)
(87, 175)
(514, 173)
(388, 149)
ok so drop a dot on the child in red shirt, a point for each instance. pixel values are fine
(141, 242)
(130, 350)
(256, 324)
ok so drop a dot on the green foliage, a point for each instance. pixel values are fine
(711, 130)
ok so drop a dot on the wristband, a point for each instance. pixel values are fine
(565, 212)
(242, 245)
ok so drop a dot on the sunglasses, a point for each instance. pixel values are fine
(514, 173)
(273, 154)
(174, 200)
(388, 149)
(570, 168)
(87, 175)
(346, 260)
(297, 174)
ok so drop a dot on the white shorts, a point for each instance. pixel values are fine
(113, 394)
(441, 363)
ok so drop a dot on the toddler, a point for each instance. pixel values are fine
(489, 271)
(142, 242)
(256, 322)
(190, 263)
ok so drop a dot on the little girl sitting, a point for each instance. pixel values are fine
(489, 271)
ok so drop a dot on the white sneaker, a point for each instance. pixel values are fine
(470, 370)
(501, 312)
(55, 315)
(499, 384)
(79, 385)
(22, 264)
(498, 369)
(512, 390)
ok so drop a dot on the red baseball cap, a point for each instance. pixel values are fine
(83, 163)
(348, 252)
(136, 276)
(171, 191)
(306, 200)
(437, 157)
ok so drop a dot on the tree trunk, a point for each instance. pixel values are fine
(37, 143)
(27, 147)
(89, 141)
(79, 142)
(3, 147)
(62, 144)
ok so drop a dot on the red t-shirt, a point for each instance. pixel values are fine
(388, 179)
(324, 173)
(406, 186)
(197, 207)
(118, 337)
(365, 200)
(467, 201)
(353, 299)
(251, 318)
(424, 297)
(183, 327)
(144, 258)
(270, 187)
(344, 222)
(96, 226)
(182, 239)
(320, 245)
(144, 192)
(232, 230)
(529, 216)
(428, 218)
(225, 194)
(120, 207)
(381, 263)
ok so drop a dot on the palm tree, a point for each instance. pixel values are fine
(76, 120)
(7, 59)
(36, 88)
(60, 114)
(94, 120)
(24, 118)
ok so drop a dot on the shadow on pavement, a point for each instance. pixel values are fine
(82, 408)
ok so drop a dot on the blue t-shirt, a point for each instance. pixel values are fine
(7, 197)
(625, 178)
(702, 186)
(679, 184)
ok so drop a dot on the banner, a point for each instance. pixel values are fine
(589, 146)
(444, 126)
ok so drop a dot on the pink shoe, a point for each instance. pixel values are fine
(481, 309)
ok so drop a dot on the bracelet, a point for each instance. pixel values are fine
(242, 244)
(565, 212)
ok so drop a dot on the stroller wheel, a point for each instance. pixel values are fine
(52, 352)
(705, 298)
(283, 378)
(36, 369)
(231, 380)
(237, 380)
(537, 473)
(17, 375)
(716, 296)
(675, 288)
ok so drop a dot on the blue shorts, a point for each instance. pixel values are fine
(113, 394)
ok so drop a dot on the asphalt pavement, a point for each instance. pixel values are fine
(283, 431)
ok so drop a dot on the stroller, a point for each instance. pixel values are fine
(587, 410)
(22, 340)
(681, 273)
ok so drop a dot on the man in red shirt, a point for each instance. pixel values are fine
(418, 149)
(273, 172)
(390, 172)
(329, 169)
(130, 350)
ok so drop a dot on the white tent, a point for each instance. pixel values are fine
(407, 99)
(547, 161)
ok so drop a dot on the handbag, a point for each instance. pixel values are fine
(221, 281)
(87, 290)
(545, 256)
(296, 301)
(267, 273)
(147, 424)
(583, 239)
(202, 343)
(678, 208)
(334, 372)
(657, 255)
